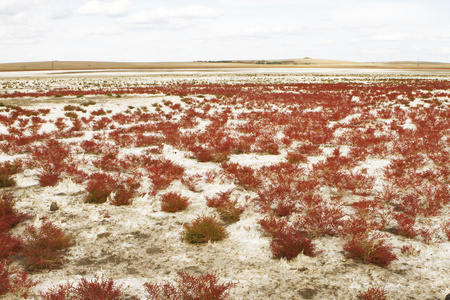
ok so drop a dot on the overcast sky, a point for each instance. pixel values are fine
(176, 30)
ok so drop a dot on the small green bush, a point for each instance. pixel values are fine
(8, 169)
(230, 212)
(204, 229)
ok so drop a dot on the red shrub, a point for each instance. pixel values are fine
(51, 157)
(405, 225)
(409, 249)
(191, 181)
(75, 174)
(94, 147)
(5, 281)
(9, 245)
(373, 293)
(245, 176)
(203, 287)
(370, 249)
(9, 216)
(110, 163)
(50, 152)
(99, 187)
(446, 229)
(321, 219)
(60, 292)
(295, 157)
(272, 225)
(98, 288)
(283, 196)
(162, 172)
(359, 225)
(289, 242)
(203, 153)
(44, 247)
(124, 190)
(15, 282)
(310, 150)
(173, 202)
(221, 199)
(50, 175)
(371, 208)
(267, 145)
(122, 196)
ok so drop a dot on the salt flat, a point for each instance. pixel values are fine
(138, 243)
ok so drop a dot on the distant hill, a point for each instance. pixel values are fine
(280, 63)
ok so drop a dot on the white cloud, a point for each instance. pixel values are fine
(377, 15)
(174, 17)
(21, 26)
(115, 8)
(253, 32)
(259, 2)
(26, 33)
(14, 7)
(443, 50)
(391, 37)
(195, 11)
(60, 13)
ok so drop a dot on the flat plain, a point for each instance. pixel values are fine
(353, 163)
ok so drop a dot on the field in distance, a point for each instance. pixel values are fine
(223, 64)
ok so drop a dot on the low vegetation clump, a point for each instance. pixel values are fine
(202, 287)
(173, 202)
(9, 215)
(288, 241)
(14, 283)
(97, 288)
(7, 170)
(44, 247)
(230, 212)
(204, 229)
(373, 293)
(124, 190)
(370, 249)
(52, 158)
(99, 187)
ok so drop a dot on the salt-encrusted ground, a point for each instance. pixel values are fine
(139, 243)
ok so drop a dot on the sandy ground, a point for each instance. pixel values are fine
(139, 243)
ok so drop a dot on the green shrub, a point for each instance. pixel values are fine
(7, 169)
(204, 229)
(230, 212)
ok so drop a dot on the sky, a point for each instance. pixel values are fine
(176, 30)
